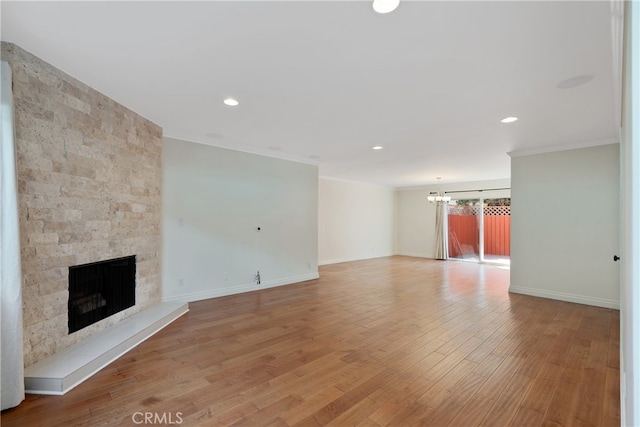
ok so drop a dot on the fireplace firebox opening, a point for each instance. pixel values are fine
(99, 290)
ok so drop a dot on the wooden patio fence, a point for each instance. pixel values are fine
(463, 230)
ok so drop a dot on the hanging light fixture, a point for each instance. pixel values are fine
(439, 198)
(439, 195)
(385, 6)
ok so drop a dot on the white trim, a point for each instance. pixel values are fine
(351, 181)
(350, 259)
(215, 293)
(480, 186)
(630, 231)
(580, 299)
(563, 147)
(281, 155)
(418, 255)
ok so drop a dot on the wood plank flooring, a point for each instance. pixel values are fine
(395, 341)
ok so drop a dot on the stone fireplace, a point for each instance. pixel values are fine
(89, 184)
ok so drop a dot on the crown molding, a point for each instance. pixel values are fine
(562, 147)
(264, 153)
(352, 181)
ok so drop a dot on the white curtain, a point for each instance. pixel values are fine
(12, 374)
(442, 251)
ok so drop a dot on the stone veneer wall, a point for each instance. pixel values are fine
(89, 184)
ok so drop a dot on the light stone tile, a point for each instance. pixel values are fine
(76, 103)
(55, 260)
(43, 238)
(89, 178)
(67, 215)
(138, 208)
(54, 300)
(55, 286)
(33, 226)
(42, 188)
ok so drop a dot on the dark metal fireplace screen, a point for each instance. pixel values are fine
(100, 289)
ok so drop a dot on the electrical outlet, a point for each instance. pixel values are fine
(180, 282)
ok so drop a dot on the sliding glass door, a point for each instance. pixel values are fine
(479, 230)
(464, 220)
(497, 230)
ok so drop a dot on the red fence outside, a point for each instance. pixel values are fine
(463, 230)
(497, 230)
(463, 235)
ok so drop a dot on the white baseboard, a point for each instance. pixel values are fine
(214, 293)
(338, 260)
(580, 299)
(417, 255)
(350, 259)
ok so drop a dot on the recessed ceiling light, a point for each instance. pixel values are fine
(385, 6)
(377, 147)
(231, 102)
(509, 119)
(575, 82)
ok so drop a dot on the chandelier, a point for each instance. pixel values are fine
(439, 195)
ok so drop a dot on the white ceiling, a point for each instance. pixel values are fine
(323, 82)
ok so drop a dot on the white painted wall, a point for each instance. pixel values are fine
(416, 217)
(630, 230)
(214, 200)
(355, 221)
(564, 225)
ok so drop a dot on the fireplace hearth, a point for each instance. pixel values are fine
(99, 290)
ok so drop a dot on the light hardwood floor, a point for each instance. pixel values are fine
(393, 341)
